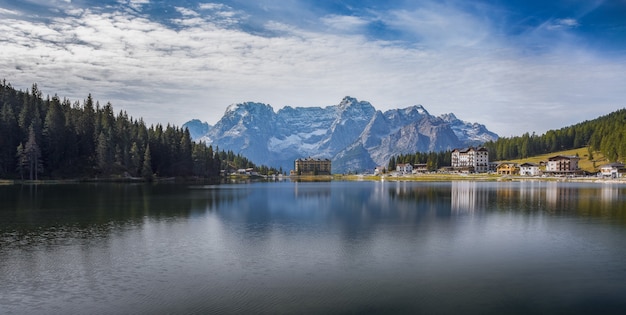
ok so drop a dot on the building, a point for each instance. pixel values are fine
(312, 166)
(420, 168)
(379, 170)
(612, 170)
(563, 165)
(471, 160)
(404, 168)
(507, 169)
(529, 169)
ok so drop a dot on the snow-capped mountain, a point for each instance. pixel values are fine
(470, 133)
(196, 128)
(353, 134)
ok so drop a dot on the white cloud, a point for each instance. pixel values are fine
(344, 23)
(135, 4)
(213, 6)
(439, 25)
(560, 24)
(165, 75)
(8, 12)
(186, 12)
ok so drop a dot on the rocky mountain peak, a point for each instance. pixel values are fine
(353, 134)
(246, 108)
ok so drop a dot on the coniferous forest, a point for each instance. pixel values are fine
(606, 134)
(53, 138)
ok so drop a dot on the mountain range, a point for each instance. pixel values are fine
(353, 134)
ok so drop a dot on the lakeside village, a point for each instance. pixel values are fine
(470, 161)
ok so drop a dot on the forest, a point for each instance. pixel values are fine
(433, 160)
(605, 134)
(56, 139)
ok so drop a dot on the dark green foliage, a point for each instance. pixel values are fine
(58, 139)
(606, 134)
(433, 160)
(232, 162)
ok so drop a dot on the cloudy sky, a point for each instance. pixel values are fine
(515, 66)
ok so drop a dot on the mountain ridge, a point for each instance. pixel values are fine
(353, 134)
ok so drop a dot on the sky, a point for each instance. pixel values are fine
(515, 66)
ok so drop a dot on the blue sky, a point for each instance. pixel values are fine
(515, 66)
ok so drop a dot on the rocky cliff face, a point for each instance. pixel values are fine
(353, 134)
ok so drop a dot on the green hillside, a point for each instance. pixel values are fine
(586, 163)
(605, 134)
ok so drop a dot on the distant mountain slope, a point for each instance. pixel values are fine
(353, 134)
(196, 128)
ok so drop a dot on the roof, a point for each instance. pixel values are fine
(509, 164)
(312, 159)
(563, 157)
(465, 150)
(528, 164)
(613, 165)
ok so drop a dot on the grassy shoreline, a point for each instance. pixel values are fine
(337, 177)
(477, 177)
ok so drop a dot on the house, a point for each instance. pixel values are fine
(507, 169)
(563, 165)
(420, 168)
(312, 166)
(404, 168)
(247, 171)
(471, 160)
(529, 169)
(493, 167)
(613, 170)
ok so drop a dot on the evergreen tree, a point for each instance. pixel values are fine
(22, 160)
(9, 132)
(103, 153)
(146, 169)
(135, 160)
(32, 154)
(54, 135)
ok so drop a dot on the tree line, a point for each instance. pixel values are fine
(606, 134)
(52, 138)
(433, 160)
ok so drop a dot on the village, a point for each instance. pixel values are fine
(470, 161)
(476, 160)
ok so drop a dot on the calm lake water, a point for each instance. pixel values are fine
(322, 248)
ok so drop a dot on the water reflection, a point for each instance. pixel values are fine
(317, 247)
(352, 203)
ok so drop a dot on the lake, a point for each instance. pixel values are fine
(314, 248)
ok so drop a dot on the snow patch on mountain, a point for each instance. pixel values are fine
(353, 134)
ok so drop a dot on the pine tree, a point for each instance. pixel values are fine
(135, 160)
(54, 135)
(33, 155)
(103, 153)
(146, 170)
(22, 160)
(9, 131)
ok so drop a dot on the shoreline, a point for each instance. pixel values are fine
(328, 178)
(479, 177)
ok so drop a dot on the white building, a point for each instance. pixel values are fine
(379, 170)
(471, 160)
(529, 169)
(613, 170)
(563, 165)
(404, 168)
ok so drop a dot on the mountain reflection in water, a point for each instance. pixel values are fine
(324, 247)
